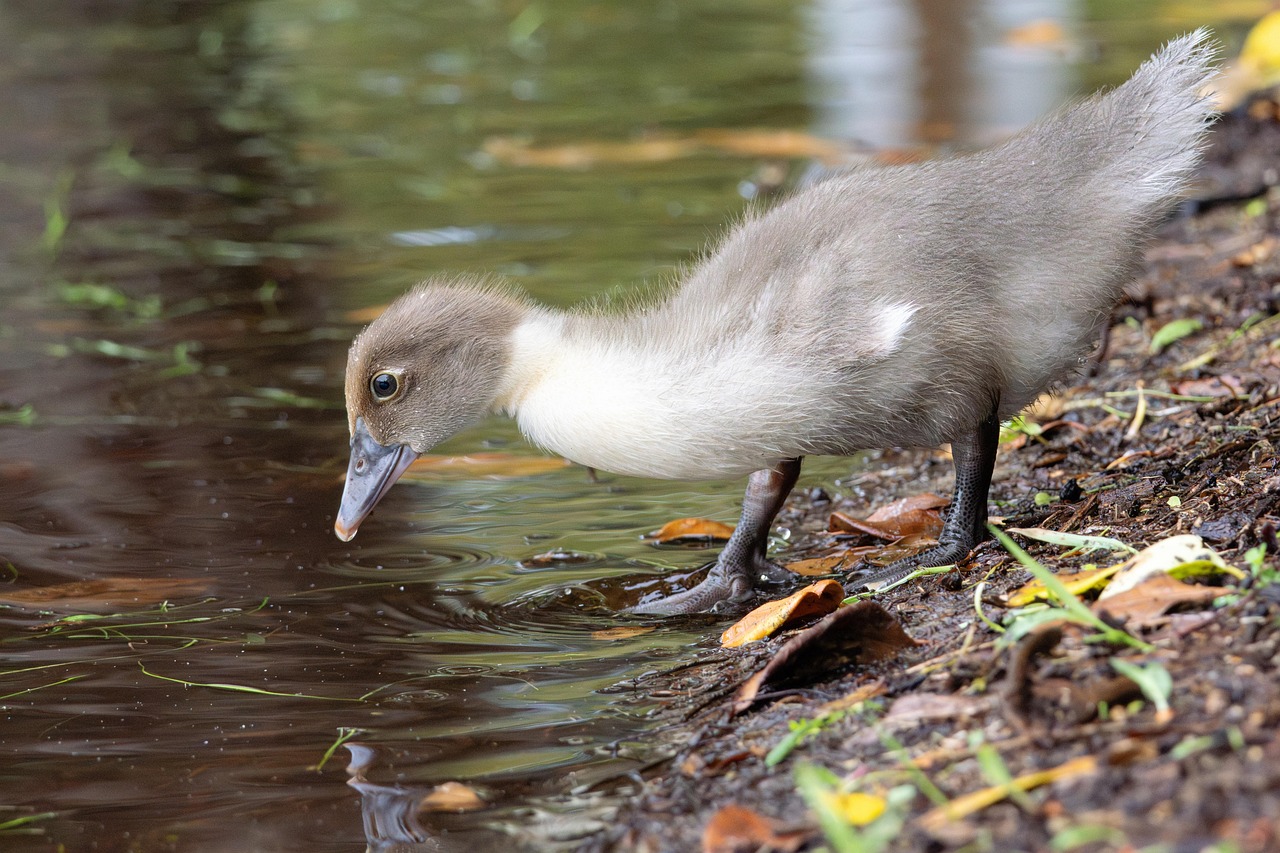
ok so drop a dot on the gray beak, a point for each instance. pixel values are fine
(370, 474)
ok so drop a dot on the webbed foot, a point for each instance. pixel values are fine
(721, 591)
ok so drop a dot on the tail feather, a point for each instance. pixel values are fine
(1168, 114)
(1136, 147)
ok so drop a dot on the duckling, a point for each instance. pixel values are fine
(896, 306)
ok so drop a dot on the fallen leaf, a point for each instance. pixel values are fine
(917, 514)
(914, 708)
(817, 599)
(821, 565)
(691, 529)
(893, 525)
(105, 594)
(890, 511)
(622, 632)
(488, 464)
(856, 697)
(861, 633)
(936, 819)
(1178, 556)
(734, 828)
(1174, 330)
(451, 797)
(1209, 386)
(857, 807)
(1154, 597)
(1077, 582)
(1073, 540)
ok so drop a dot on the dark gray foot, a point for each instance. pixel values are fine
(742, 565)
(725, 590)
(966, 524)
(721, 591)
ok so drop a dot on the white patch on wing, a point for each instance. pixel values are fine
(890, 324)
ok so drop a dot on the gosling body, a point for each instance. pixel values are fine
(904, 306)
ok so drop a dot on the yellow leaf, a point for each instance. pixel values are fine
(856, 807)
(1077, 582)
(961, 807)
(817, 599)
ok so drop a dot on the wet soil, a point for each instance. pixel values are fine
(1207, 775)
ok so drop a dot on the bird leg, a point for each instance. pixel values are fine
(974, 455)
(742, 564)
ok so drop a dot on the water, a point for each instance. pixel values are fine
(194, 198)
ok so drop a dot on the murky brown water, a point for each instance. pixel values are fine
(192, 198)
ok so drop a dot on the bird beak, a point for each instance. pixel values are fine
(370, 474)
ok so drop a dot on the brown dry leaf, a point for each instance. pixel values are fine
(1151, 599)
(917, 514)
(365, 315)
(936, 819)
(916, 708)
(487, 464)
(861, 694)
(622, 632)
(821, 565)
(907, 505)
(1210, 386)
(688, 529)
(734, 828)
(104, 595)
(816, 599)
(451, 797)
(861, 633)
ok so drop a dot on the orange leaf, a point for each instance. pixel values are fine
(814, 600)
(686, 529)
(735, 828)
(451, 797)
(488, 464)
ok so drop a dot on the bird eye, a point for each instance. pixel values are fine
(384, 386)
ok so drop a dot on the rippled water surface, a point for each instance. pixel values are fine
(197, 201)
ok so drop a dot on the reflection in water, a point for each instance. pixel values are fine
(191, 197)
(891, 73)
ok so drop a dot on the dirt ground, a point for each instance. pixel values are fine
(965, 710)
